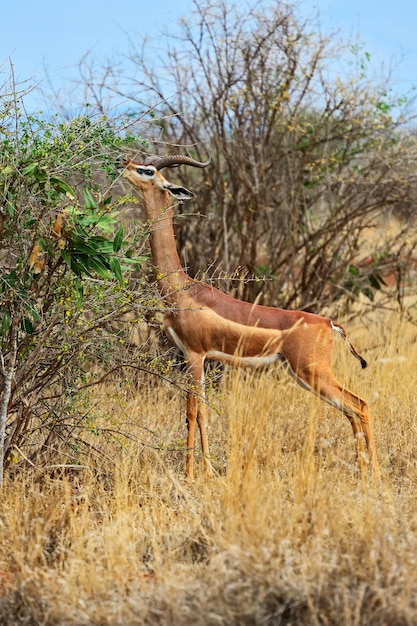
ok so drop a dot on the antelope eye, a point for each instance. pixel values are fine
(144, 171)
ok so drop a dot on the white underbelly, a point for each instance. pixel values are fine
(231, 359)
(243, 361)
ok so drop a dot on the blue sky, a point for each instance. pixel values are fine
(56, 35)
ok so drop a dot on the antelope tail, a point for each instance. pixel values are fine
(339, 329)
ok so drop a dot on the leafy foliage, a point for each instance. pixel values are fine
(65, 261)
(308, 149)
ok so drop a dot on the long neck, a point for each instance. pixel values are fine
(168, 270)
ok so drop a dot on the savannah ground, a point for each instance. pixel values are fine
(286, 533)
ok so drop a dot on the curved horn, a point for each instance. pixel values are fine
(174, 160)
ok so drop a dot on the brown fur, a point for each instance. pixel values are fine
(207, 323)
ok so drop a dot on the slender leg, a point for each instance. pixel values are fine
(357, 411)
(197, 412)
(323, 383)
(308, 360)
(202, 424)
(192, 402)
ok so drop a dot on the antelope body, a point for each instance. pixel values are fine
(206, 323)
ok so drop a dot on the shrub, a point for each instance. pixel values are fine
(64, 259)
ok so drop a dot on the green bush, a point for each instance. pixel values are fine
(64, 263)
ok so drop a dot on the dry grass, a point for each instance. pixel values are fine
(285, 534)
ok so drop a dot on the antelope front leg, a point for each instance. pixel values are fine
(202, 424)
(197, 412)
(192, 403)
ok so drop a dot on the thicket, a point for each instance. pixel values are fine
(309, 149)
(67, 270)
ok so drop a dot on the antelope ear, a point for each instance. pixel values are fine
(181, 193)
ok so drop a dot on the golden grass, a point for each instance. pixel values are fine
(286, 533)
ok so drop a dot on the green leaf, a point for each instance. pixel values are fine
(33, 312)
(90, 220)
(92, 245)
(5, 323)
(116, 269)
(79, 231)
(376, 281)
(105, 222)
(80, 293)
(135, 260)
(118, 240)
(27, 326)
(61, 185)
(82, 247)
(67, 257)
(354, 270)
(101, 245)
(80, 265)
(369, 293)
(8, 280)
(89, 201)
(30, 169)
(99, 268)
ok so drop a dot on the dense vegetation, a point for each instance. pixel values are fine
(308, 149)
(65, 260)
(309, 203)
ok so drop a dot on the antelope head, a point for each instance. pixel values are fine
(147, 175)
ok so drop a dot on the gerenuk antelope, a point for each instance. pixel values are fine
(205, 323)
